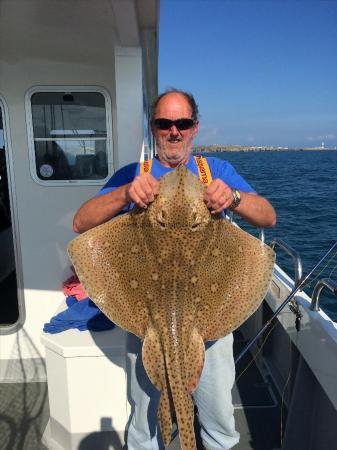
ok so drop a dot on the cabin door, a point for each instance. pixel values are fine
(9, 311)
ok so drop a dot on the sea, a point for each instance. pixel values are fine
(302, 187)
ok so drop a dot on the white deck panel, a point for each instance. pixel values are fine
(317, 340)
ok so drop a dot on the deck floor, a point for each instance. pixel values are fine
(24, 413)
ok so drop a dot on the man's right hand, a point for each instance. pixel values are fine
(143, 190)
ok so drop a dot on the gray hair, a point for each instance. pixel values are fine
(188, 96)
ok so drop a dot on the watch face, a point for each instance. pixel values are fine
(236, 198)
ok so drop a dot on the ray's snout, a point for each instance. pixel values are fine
(180, 202)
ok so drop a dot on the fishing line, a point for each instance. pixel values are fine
(332, 271)
(257, 353)
(285, 388)
(324, 267)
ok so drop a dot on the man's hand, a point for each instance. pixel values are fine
(218, 196)
(142, 190)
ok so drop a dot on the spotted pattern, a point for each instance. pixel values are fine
(176, 276)
(134, 284)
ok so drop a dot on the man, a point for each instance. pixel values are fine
(174, 125)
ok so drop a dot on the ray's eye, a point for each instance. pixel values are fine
(196, 221)
(162, 218)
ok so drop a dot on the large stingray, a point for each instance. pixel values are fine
(176, 276)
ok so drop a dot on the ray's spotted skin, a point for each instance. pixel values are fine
(175, 276)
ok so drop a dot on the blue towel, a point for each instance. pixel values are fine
(83, 315)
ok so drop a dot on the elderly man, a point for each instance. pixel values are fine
(174, 125)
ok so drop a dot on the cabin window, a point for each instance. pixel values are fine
(70, 135)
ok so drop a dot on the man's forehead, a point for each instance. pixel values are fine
(174, 100)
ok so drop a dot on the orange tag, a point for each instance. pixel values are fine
(202, 164)
(203, 169)
(145, 167)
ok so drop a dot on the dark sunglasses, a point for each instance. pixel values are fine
(180, 124)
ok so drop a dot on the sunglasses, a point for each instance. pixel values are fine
(180, 124)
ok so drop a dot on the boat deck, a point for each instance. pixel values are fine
(24, 413)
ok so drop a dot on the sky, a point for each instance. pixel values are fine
(263, 72)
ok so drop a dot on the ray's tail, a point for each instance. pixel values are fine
(175, 371)
(183, 366)
(154, 363)
(184, 408)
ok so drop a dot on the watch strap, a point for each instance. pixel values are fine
(236, 199)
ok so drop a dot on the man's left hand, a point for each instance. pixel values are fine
(218, 196)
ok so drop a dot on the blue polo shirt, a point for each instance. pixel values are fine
(219, 169)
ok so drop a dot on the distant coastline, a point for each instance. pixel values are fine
(244, 148)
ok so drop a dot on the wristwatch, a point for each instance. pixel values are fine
(236, 199)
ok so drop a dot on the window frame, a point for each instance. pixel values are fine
(30, 133)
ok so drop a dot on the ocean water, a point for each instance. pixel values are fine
(302, 186)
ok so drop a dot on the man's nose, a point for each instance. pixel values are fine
(174, 130)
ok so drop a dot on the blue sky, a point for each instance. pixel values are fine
(264, 72)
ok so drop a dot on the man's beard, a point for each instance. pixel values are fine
(171, 154)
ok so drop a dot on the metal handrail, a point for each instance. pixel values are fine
(324, 282)
(230, 216)
(261, 235)
(295, 256)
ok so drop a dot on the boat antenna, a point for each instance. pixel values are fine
(283, 305)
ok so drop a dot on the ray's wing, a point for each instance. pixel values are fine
(235, 270)
(111, 264)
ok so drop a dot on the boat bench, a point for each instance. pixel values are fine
(87, 387)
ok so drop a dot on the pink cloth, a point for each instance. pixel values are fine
(73, 287)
